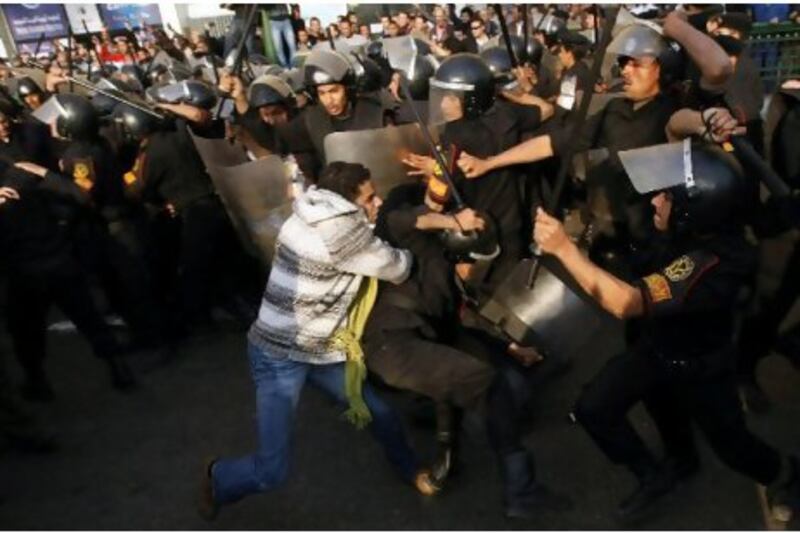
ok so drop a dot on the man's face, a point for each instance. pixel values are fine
(368, 200)
(452, 108)
(302, 37)
(465, 17)
(346, 29)
(385, 22)
(477, 28)
(393, 30)
(274, 115)
(566, 57)
(5, 128)
(516, 14)
(33, 101)
(333, 98)
(364, 31)
(640, 76)
(315, 26)
(402, 20)
(662, 202)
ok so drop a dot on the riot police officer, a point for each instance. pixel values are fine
(43, 271)
(331, 79)
(463, 99)
(174, 177)
(682, 365)
(268, 103)
(649, 67)
(414, 341)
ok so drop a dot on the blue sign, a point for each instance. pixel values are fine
(29, 21)
(116, 16)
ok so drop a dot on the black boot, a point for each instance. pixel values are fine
(121, 374)
(448, 421)
(654, 483)
(523, 496)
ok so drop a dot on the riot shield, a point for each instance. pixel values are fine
(380, 150)
(256, 194)
(401, 53)
(219, 152)
(555, 316)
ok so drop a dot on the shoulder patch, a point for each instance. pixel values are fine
(658, 287)
(83, 174)
(680, 269)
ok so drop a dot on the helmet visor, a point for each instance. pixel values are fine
(49, 111)
(445, 102)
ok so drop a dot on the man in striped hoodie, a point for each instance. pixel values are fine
(323, 253)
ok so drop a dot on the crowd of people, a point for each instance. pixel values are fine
(113, 197)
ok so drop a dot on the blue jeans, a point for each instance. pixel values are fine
(283, 28)
(278, 385)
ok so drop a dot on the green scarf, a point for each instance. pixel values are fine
(348, 339)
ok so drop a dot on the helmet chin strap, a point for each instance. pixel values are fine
(688, 171)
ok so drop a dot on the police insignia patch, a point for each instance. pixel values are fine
(680, 269)
(83, 175)
(658, 287)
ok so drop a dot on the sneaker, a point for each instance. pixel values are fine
(207, 507)
(424, 483)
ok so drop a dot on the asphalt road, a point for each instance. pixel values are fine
(132, 461)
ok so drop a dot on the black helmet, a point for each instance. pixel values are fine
(192, 92)
(467, 246)
(77, 119)
(369, 75)
(531, 54)
(419, 84)
(374, 50)
(106, 104)
(639, 40)
(500, 64)
(469, 74)
(323, 67)
(9, 107)
(26, 86)
(136, 124)
(709, 188)
(270, 90)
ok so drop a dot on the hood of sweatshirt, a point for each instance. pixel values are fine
(319, 205)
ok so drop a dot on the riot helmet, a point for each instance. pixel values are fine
(464, 76)
(135, 123)
(419, 82)
(638, 41)
(77, 119)
(369, 75)
(270, 90)
(325, 67)
(500, 64)
(709, 188)
(191, 92)
(105, 104)
(27, 86)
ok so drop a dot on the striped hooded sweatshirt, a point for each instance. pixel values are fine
(322, 253)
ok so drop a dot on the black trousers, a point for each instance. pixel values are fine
(759, 332)
(30, 295)
(470, 367)
(673, 401)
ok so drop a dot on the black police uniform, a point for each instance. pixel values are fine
(498, 193)
(414, 341)
(42, 270)
(266, 135)
(682, 365)
(305, 135)
(621, 125)
(111, 238)
(172, 172)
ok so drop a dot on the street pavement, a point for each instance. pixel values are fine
(132, 461)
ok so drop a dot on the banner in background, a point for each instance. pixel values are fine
(80, 13)
(29, 21)
(117, 15)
